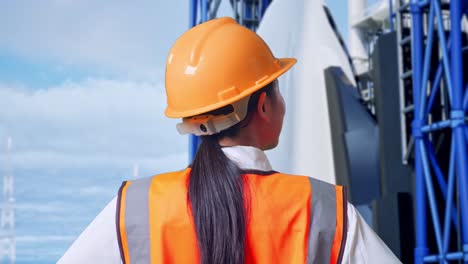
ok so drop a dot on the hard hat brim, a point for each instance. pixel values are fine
(285, 65)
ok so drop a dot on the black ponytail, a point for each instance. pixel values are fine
(216, 195)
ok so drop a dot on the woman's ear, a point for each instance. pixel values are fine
(261, 107)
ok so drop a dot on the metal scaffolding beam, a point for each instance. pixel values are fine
(436, 65)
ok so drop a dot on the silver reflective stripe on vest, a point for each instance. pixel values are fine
(322, 222)
(137, 221)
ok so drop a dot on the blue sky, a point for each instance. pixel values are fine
(39, 61)
(82, 95)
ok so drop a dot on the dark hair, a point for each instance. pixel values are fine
(216, 195)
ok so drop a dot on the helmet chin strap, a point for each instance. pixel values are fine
(205, 125)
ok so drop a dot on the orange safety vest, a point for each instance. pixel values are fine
(292, 219)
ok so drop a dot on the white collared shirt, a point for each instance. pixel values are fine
(98, 242)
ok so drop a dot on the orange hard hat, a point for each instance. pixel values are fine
(216, 64)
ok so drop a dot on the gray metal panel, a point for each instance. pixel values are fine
(337, 128)
(393, 216)
(354, 139)
(396, 177)
(363, 155)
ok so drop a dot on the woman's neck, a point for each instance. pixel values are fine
(243, 139)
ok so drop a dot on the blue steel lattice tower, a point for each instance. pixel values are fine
(7, 217)
(434, 102)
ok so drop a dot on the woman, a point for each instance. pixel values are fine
(229, 206)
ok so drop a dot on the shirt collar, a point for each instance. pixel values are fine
(248, 158)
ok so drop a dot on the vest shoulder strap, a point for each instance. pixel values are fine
(327, 238)
(133, 214)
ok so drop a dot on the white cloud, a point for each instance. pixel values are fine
(51, 207)
(36, 239)
(96, 123)
(62, 160)
(94, 191)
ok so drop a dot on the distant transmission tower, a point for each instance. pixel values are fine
(7, 216)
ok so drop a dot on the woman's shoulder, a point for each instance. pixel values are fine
(320, 189)
(311, 180)
(166, 177)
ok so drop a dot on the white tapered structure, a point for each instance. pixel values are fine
(300, 29)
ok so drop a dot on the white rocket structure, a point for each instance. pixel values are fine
(7, 217)
(300, 29)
